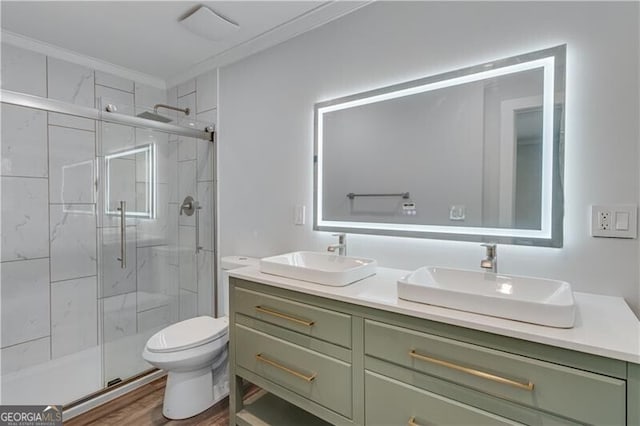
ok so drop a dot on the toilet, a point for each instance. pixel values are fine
(192, 351)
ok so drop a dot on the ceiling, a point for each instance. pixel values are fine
(145, 36)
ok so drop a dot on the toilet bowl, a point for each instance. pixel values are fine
(188, 351)
(191, 352)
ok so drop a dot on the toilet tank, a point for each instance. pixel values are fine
(227, 263)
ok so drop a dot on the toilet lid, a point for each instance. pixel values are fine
(188, 334)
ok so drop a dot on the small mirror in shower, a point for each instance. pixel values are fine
(130, 176)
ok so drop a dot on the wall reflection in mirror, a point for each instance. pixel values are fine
(473, 154)
(131, 177)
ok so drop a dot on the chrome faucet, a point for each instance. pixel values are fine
(341, 246)
(490, 263)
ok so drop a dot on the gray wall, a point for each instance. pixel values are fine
(266, 133)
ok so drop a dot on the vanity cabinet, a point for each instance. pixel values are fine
(392, 402)
(348, 364)
(530, 382)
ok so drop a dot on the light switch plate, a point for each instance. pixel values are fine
(614, 221)
(299, 214)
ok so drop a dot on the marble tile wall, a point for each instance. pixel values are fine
(25, 301)
(48, 175)
(74, 316)
(196, 178)
(207, 112)
(24, 142)
(72, 241)
(63, 289)
(24, 218)
(24, 71)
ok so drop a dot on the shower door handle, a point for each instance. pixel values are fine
(123, 234)
(197, 208)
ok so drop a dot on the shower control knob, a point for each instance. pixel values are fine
(111, 108)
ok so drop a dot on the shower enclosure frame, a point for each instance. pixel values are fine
(109, 115)
(52, 105)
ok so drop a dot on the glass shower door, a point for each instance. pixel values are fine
(95, 255)
(151, 274)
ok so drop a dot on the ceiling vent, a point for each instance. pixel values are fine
(206, 23)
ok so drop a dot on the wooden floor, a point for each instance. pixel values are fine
(143, 406)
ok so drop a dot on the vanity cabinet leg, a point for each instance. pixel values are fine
(235, 398)
(235, 382)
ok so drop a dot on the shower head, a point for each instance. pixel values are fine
(152, 116)
(157, 117)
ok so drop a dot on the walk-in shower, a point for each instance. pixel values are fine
(96, 257)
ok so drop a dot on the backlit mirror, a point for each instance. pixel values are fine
(474, 154)
(131, 177)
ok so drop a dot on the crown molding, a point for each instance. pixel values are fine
(80, 59)
(308, 21)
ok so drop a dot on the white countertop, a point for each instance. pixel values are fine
(604, 325)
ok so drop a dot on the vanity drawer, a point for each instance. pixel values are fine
(569, 392)
(390, 402)
(317, 377)
(330, 326)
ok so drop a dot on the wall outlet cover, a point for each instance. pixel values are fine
(614, 221)
(409, 208)
(457, 212)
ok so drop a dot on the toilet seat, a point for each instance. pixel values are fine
(188, 334)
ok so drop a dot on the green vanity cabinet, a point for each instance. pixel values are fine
(313, 321)
(319, 378)
(391, 402)
(530, 382)
(347, 364)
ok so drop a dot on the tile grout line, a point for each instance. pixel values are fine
(24, 260)
(26, 341)
(113, 88)
(208, 110)
(70, 127)
(186, 94)
(73, 279)
(151, 309)
(49, 215)
(73, 204)
(25, 177)
(179, 240)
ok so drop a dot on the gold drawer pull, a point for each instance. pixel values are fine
(284, 316)
(310, 378)
(412, 422)
(526, 386)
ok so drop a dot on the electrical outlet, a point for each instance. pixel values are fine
(409, 208)
(604, 223)
(614, 221)
(458, 212)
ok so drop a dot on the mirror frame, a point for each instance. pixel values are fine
(150, 151)
(553, 63)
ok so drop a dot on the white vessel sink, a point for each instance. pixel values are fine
(319, 268)
(528, 299)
